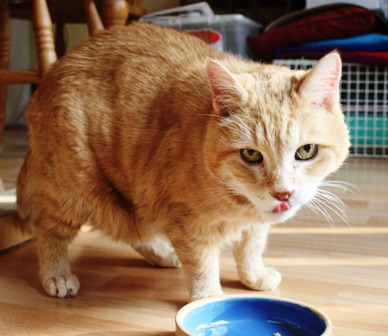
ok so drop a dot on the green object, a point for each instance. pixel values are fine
(368, 129)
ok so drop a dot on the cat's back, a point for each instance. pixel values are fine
(121, 89)
(139, 48)
(117, 68)
(146, 40)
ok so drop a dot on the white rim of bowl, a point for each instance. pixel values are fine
(182, 313)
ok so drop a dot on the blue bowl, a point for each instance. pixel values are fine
(250, 316)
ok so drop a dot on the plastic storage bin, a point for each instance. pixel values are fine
(199, 19)
(364, 98)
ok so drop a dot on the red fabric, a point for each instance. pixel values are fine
(379, 58)
(333, 23)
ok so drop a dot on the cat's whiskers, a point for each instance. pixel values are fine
(332, 205)
(242, 126)
(326, 202)
(241, 133)
(318, 209)
(334, 199)
(342, 185)
(227, 123)
(237, 125)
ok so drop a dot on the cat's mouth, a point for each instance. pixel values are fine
(283, 206)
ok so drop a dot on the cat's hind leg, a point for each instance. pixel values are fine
(158, 251)
(54, 268)
(248, 254)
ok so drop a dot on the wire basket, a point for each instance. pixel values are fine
(364, 98)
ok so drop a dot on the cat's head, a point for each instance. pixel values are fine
(277, 133)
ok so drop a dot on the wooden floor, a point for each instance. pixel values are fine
(342, 270)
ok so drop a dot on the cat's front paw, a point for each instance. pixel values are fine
(61, 285)
(266, 280)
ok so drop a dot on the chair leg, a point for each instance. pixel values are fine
(4, 63)
(44, 35)
(93, 18)
(115, 12)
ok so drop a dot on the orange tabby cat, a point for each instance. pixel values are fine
(159, 141)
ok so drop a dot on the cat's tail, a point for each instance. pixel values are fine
(21, 219)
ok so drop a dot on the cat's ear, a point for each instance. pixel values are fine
(225, 88)
(322, 84)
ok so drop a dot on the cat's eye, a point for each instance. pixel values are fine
(306, 152)
(251, 156)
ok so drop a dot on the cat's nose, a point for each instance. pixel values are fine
(282, 196)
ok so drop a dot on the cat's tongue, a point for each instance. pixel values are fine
(284, 206)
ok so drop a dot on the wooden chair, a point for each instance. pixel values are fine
(43, 13)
